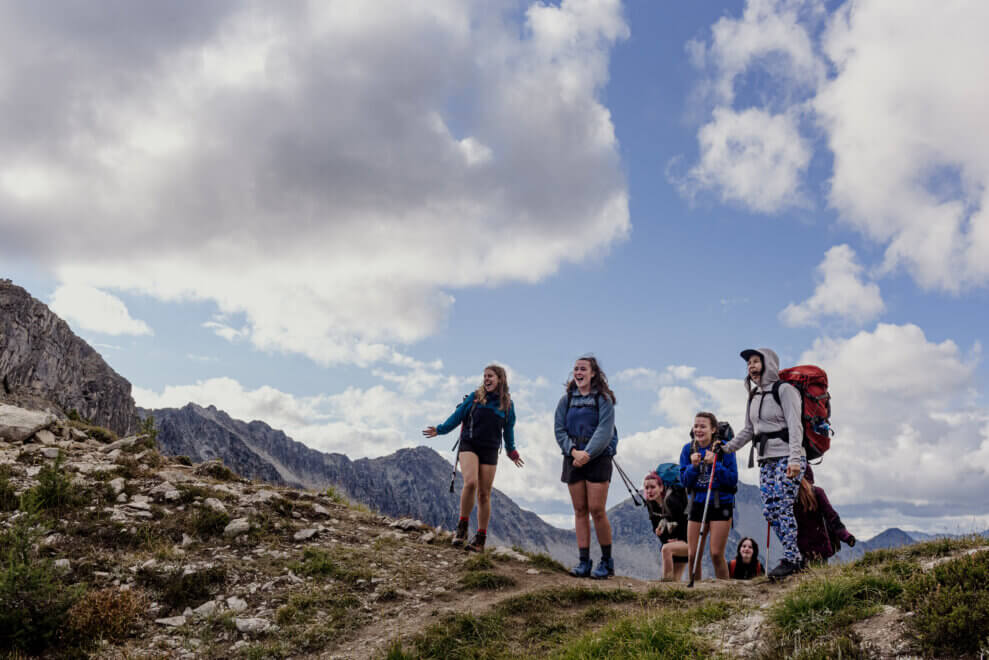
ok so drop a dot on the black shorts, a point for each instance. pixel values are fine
(715, 511)
(485, 455)
(597, 470)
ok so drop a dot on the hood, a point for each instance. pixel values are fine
(770, 365)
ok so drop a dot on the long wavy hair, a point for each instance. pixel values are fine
(807, 496)
(743, 570)
(504, 398)
(599, 381)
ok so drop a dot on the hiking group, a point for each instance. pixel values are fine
(690, 502)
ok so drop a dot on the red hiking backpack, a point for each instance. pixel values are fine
(815, 405)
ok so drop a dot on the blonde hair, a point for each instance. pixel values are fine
(505, 399)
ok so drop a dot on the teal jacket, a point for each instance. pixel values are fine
(494, 404)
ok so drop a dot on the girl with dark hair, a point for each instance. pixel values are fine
(820, 531)
(774, 426)
(585, 431)
(746, 564)
(667, 506)
(696, 461)
(486, 418)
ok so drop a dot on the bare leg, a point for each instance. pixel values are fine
(597, 498)
(468, 467)
(485, 482)
(582, 524)
(671, 549)
(719, 538)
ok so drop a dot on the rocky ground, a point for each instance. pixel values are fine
(154, 557)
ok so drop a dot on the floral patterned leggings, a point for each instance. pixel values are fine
(778, 495)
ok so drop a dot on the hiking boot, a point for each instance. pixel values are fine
(460, 536)
(784, 569)
(582, 569)
(605, 568)
(477, 543)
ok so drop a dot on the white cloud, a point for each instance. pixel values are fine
(751, 157)
(645, 378)
(96, 311)
(307, 170)
(903, 412)
(678, 404)
(840, 293)
(891, 89)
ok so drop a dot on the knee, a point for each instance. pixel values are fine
(667, 553)
(597, 512)
(580, 510)
(483, 496)
(717, 557)
(470, 483)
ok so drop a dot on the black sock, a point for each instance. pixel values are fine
(606, 551)
(585, 554)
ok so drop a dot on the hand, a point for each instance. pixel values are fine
(430, 432)
(514, 456)
(580, 458)
(792, 470)
(658, 532)
(850, 541)
(695, 459)
(709, 458)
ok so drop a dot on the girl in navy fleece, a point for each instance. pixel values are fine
(696, 460)
(585, 432)
(486, 418)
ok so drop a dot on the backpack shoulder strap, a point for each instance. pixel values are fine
(776, 393)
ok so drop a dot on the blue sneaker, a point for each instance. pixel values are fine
(582, 569)
(605, 569)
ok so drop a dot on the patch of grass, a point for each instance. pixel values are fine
(182, 459)
(178, 589)
(313, 619)
(106, 614)
(8, 496)
(343, 565)
(459, 636)
(486, 580)
(951, 606)
(663, 635)
(106, 436)
(565, 597)
(55, 491)
(819, 606)
(672, 594)
(217, 470)
(335, 495)
(478, 562)
(207, 522)
(34, 601)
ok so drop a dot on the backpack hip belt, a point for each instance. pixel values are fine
(762, 438)
(579, 443)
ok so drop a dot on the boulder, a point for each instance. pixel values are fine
(19, 424)
(236, 527)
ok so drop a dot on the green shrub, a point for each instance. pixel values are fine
(486, 580)
(208, 522)
(665, 635)
(8, 496)
(34, 602)
(105, 436)
(106, 614)
(182, 459)
(478, 562)
(336, 496)
(178, 589)
(218, 471)
(55, 491)
(951, 606)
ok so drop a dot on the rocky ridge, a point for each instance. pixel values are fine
(42, 362)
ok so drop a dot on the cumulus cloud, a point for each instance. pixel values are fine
(903, 407)
(96, 311)
(751, 157)
(840, 293)
(646, 378)
(331, 173)
(889, 89)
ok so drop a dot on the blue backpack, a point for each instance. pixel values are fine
(669, 473)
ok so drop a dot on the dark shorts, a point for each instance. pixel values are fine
(596, 471)
(716, 511)
(485, 455)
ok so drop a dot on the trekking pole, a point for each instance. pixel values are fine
(768, 528)
(456, 459)
(629, 485)
(700, 535)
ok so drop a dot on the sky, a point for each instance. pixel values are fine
(330, 216)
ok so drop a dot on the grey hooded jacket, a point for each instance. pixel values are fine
(765, 416)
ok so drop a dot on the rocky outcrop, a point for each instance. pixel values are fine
(42, 360)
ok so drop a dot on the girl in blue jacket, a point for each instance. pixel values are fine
(585, 432)
(486, 419)
(696, 460)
